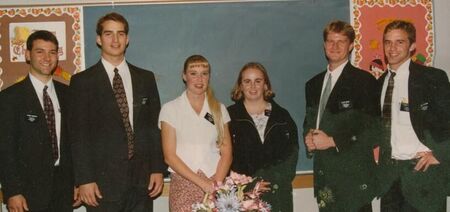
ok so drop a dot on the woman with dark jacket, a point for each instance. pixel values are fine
(264, 136)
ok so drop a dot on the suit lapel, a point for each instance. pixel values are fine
(416, 95)
(34, 108)
(106, 95)
(60, 94)
(415, 88)
(341, 88)
(138, 91)
(317, 89)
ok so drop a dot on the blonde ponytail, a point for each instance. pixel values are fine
(216, 111)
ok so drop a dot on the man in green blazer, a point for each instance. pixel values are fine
(415, 108)
(340, 108)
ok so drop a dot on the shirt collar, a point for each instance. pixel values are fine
(39, 86)
(402, 70)
(205, 107)
(110, 67)
(337, 71)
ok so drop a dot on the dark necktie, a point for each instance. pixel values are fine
(387, 105)
(50, 117)
(324, 97)
(121, 98)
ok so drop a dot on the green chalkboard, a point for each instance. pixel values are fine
(285, 36)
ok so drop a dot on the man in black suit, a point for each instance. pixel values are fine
(340, 105)
(415, 108)
(116, 143)
(35, 156)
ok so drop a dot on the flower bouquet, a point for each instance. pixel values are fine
(232, 197)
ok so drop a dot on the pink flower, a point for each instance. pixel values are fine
(232, 189)
(240, 179)
(249, 205)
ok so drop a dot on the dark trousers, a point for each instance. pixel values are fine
(61, 200)
(134, 199)
(364, 208)
(394, 200)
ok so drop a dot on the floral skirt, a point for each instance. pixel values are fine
(183, 193)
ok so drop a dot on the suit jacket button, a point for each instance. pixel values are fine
(354, 138)
(363, 187)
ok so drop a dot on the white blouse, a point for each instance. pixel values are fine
(195, 136)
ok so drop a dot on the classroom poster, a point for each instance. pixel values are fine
(369, 18)
(18, 23)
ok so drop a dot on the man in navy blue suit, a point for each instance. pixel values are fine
(116, 142)
(35, 157)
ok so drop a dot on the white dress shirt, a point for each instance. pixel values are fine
(124, 73)
(335, 74)
(404, 141)
(39, 88)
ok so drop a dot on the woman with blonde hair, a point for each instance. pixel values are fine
(195, 137)
(264, 136)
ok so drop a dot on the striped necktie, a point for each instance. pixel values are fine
(324, 97)
(387, 105)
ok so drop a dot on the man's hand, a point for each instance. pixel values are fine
(426, 160)
(89, 194)
(309, 141)
(76, 197)
(322, 141)
(17, 203)
(156, 184)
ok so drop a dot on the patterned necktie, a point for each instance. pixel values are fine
(50, 117)
(387, 105)
(121, 98)
(324, 98)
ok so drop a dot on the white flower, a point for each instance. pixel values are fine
(228, 202)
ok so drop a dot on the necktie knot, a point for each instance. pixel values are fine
(392, 73)
(45, 88)
(116, 71)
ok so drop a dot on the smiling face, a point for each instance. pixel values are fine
(43, 58)
(397, 47)
(337, 48)
(196, 77)
(113, 41)
(253, 84)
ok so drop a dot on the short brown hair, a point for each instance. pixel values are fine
(41, 35)
(406, 26)
(113, 16)
(339, 26)
(237, 94)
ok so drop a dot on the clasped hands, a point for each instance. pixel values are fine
(316, 139)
